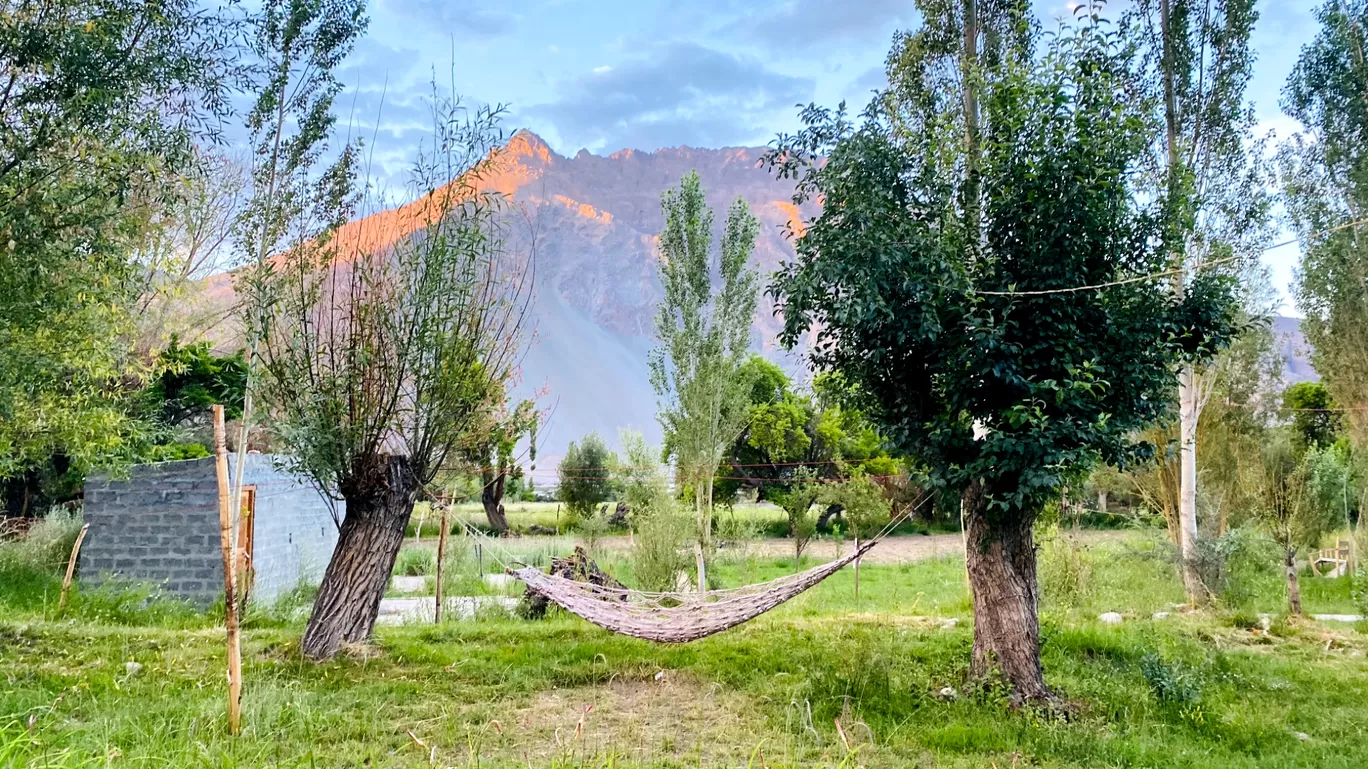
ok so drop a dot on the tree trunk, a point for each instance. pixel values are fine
(1293, 586)
(1102, 501)
(491, 497)
(1001, 561)
(1187, 485)
(372, 532)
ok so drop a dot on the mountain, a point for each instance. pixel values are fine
(589, 226)
(1287, 336)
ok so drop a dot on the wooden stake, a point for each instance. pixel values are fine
(856, 564)
(71, 567)
(230, 606)
(441, 555)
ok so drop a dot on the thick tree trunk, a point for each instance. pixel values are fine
(1001, 561)
(1293, 586)
(491, 497)
(372, 532)
(1188, 413)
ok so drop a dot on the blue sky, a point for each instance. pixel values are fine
(607, 74)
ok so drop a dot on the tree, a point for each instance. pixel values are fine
(1315, 420)
(1324, 175)
(385, 350)
(492, 455)
(796, 501)
(192, 379)
(704, 336)
(955, 280)
(585, 476)
(1207, 178)
(1283, 501)
(100, 104)
(863, 507)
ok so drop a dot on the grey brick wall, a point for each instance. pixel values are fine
(160, 524)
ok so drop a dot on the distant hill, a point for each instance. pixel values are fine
(1296, 354)
(590, 223)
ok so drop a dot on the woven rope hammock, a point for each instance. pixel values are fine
(676, 617)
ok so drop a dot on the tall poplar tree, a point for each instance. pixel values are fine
(704, 334)
(1325, 185)
(1197, 63)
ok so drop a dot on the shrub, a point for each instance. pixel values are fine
(416, 562)
(1066, 569)
(1171, 683)
(585, 480)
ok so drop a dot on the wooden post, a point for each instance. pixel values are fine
(441, 555)
(856, 564)
(230, 605)
(71, 567)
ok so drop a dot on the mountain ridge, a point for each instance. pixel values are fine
(590, 225)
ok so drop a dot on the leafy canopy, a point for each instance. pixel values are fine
(909, 276)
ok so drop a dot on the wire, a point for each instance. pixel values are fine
(1166, 273)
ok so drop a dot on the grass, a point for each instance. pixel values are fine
(1186, 691)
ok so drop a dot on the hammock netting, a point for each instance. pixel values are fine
(676, 617)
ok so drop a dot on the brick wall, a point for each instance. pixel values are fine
(160, 524)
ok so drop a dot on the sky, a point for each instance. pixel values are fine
(604, 75)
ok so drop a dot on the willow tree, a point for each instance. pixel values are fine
(990, 283)
(1207, 173)
(704, 335)
(1325, 183)
(388, 342)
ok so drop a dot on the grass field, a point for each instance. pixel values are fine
(826, 680)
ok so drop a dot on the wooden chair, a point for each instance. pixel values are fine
(1335, 558)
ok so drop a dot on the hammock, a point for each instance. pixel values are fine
(676, 617)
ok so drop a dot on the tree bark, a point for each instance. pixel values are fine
(372, 532)
(1001, 561)
(1188, 413)
(491, 497)
(1294, 605)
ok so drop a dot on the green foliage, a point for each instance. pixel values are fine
(1172, 683)
(1284, 498)
(421, 344)
(103, 100)
(704, 336)
(416, 562)
(919, 312)
(585, 477)
(1065, 570)
(1324, 175)
(863, 505)
(796, 502)
(1314, 417)
(192, 379)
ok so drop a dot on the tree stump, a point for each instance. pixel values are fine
(577, 566)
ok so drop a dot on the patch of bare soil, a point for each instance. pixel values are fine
(675, 718)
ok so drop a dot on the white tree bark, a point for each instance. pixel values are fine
(1189, 409)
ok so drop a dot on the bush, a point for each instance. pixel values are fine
(416, 562)
(1241, 565)
(1066, 570)
(585, 480)
(1171, 683)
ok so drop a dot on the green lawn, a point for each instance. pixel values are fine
(1183, 691)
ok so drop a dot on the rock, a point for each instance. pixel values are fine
(1303, 736)
(1110, 618)
(949, 624)
(1160, 615)
(947, 694)
(539, 530)
(132, 668)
